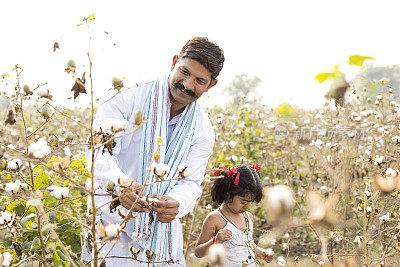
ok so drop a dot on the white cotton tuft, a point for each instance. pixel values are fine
(280, 195)
(281, 261)
(114, 125)
(40, 149)
(7, 259)
(113, 231)
(6, 216)
(67, 151)
(161, 169)
(88, 185)
(14, 165)
(59, 192)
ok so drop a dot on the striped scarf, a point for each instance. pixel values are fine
(158, 237)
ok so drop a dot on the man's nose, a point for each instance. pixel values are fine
(189, 84)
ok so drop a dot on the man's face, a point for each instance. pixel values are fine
(188, 81)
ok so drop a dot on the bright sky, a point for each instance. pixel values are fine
(285, 43)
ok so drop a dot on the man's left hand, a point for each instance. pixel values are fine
(167, 208)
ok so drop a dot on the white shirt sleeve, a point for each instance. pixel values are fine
(106, 166)
(187, 191)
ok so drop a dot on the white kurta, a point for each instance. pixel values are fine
(124, 162)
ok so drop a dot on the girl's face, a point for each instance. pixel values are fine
(240, 204)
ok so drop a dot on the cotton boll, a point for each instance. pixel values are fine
(113, 231)
(88, 185)
(216, 255)
(67, 151)
(59, 192)
(7, 216)
(281, 261)
(161, 170)
(7, 259)
(14, 165)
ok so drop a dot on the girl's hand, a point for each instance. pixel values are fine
(265, 254)
(223, 235)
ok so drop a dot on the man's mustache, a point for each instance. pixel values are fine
(182, 87)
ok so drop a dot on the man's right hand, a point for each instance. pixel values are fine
(129, 195)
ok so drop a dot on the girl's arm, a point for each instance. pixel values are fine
(265, 254)
(206, 239)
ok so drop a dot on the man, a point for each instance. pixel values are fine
(172, 113)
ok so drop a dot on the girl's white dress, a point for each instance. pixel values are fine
(239, 249)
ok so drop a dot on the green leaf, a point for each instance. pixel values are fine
(358, 60)
(42, 180)
(28, 218)
(59, 259)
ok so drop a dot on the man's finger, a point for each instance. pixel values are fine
(166, 204)
(170, 212)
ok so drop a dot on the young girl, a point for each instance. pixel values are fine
(231, 224)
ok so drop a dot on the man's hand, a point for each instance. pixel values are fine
(129, 195)
(166, 208)
(223, 235)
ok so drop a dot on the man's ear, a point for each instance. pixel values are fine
(212, 83)
(174, 61)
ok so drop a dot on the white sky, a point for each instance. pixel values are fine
(285, 43)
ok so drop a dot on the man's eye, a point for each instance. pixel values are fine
(185, 72)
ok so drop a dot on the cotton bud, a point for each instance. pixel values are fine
(216, 255)
(139, 117)
(117, 82)
(391, 90)
(6, 259)
(69, 137)
(45, 112)
(71, 66)
(379, 97)
(160, 170)
(110, 187)
(364, 89)
(53, 141)
(184, 171)
(14, 165)
(377, 102)
(368, 210)
(27, 90)
(44, 93)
